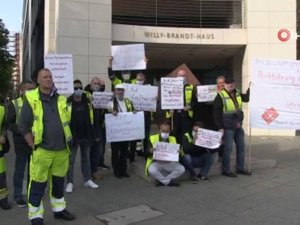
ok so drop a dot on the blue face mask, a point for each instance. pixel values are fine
(78, 92)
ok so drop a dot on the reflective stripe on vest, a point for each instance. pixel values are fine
(18, 103)
(34, 101)
(154, 139)
(228, 104)
(128, 105)
(190, 140)
(188, 99)
(2, 114)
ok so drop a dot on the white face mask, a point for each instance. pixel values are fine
(126, 76)
(164, 135)
(78, 92)
(139, 82)
(96, 87)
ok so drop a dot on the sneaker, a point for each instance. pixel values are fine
(21, 203)
(65, 215)
(104, 167)
(158, 183)
(91, 184)
(244, 172)
(194, 179)
(69, 188)
(37, 221)
(206, 179)
(229, 174)
(173, 183)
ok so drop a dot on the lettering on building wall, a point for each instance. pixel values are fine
(185, 36)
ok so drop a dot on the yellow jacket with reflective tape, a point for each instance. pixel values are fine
(34, 101)
(154, 139)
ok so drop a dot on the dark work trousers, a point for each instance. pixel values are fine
(102, 146)
(23, 153)
(132, 150)
(146, 140)
(182, 123)
(95, 156)
(119, 154)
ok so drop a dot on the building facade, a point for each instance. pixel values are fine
(212, 37)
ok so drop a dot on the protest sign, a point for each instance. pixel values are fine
(274, 96)
(143, 97)
(208, 138)
(166, 152)
(206, 93)
(126, 126)
(102, 100)
(61, 67)
(128, 57)
(172, 93)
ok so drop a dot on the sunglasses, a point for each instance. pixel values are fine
(76, 88)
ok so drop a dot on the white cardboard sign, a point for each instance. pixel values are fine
(206, 93)
(102, 100)
(166, 152)
(128, 57)
(143, 97)
(61, 67)
(208, 138)
(172, 93)
(126, 126)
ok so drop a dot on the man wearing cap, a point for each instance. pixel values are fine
(119, 150)
(228, 116)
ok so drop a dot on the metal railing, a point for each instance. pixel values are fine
(179, 13)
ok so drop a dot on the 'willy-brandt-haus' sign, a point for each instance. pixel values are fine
(171, 35)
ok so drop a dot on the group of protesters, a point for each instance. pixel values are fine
(49, 128)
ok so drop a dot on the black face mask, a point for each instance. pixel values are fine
(102, 88)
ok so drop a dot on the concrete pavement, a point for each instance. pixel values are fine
(269, 196)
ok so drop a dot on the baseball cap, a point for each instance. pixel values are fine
(119, 86)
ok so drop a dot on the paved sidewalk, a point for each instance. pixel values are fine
(269, 196)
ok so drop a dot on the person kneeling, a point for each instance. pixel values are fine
(156, 168)
(195, 156)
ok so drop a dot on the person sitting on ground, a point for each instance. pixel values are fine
(156, 168)
(195, 156)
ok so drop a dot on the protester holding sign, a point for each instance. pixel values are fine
(141, 80)
(195, 156)
(119, 150)
(156, 168)
(228, 116)
(98, 147)
(182, 118)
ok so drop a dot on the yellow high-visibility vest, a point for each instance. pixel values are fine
(228, 104)
(18, 104)
(33, 98)
(154, 139)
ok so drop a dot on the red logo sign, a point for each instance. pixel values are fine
(284, 35)
(270, 115)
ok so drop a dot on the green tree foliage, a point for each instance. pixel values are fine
(6, 63)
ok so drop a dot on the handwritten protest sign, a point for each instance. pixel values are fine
(128, 57)
(172, 93)
(208, 138)
(126, 126)
(102, 100)
(274, 96)
(143, 97)
(206, 93)
(61, 67)
(166, 152)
